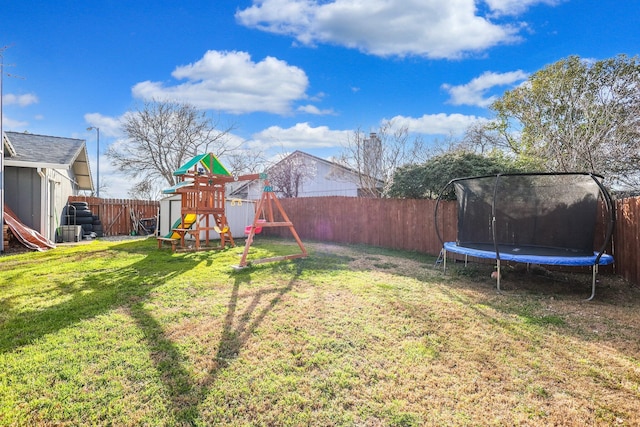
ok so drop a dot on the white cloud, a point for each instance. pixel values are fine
(474, 92)
(109, 126)
(312, 109)
(299, 137)
(515, 7)
(20, 100)
(10, 124)
(437, 124)
(232, 82)
(429, 28)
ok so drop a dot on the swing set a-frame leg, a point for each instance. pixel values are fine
(265, 205)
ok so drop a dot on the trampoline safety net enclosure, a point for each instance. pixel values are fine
(540, 218)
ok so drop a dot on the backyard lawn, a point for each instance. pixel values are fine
(121, 333)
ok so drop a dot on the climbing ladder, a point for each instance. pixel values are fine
(222, 228)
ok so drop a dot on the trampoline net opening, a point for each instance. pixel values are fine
(547, 215)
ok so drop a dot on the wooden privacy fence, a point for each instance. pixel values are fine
(390, 223)
(116, 214)
(409, 225)
(626, 239)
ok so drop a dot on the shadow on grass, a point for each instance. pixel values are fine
(95, 294)
(90, 294)
(185, 393)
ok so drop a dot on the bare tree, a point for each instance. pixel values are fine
(481, 139)
(376, 156)
(144, 190)
(104, 188)
(245, 162)
(577, 115)
(162, 136)
(288, 175)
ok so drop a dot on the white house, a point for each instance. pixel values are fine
(40, 173)
(329, 179)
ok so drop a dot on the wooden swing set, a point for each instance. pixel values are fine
(201, 185)
(265, 218)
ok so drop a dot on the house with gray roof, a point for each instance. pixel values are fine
(40, 173)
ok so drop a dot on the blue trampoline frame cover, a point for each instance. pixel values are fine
(579, 260)
(525, 252)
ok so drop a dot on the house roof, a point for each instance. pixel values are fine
(8, 147)
(296, 153)
(42, 151)
(337, 166)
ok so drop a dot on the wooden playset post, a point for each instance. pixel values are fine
(202, 189)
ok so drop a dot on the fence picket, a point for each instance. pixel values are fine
(115, 214)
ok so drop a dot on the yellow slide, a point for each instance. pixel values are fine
(189, 220)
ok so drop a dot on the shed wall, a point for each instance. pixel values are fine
(239, 215)
(22, 192)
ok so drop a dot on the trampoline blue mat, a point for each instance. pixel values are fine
(530, 255)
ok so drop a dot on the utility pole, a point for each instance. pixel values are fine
(2, 248)
(97, 129)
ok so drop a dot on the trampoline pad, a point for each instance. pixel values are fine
(531, 254)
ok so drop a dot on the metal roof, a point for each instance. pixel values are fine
(34, 151)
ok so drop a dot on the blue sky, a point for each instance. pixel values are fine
(289, 74)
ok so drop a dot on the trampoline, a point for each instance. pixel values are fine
(532, 218)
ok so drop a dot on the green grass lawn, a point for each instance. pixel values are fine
(121, 333)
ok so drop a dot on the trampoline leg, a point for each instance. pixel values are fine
(444, 260)
(593, 282)
(498, 278)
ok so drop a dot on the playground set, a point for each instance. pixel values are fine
(201, 186)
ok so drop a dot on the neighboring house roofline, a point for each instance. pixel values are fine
(332, 164)
(320, 159)
(342, 168)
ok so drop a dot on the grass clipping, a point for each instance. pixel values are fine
(122, 333)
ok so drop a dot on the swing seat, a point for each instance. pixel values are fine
(258, 230)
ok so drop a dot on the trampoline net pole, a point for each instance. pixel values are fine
(593, 282)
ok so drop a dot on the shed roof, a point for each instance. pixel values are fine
(33, 151)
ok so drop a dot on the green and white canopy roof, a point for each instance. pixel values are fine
(207, 162)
